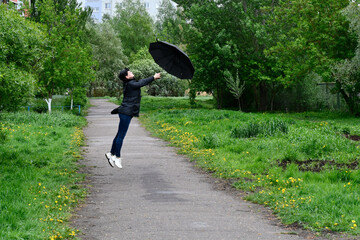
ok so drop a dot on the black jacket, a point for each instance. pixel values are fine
(132, 96)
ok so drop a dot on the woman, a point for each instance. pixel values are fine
(128, 109)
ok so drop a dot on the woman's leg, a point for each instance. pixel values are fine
(119, 138)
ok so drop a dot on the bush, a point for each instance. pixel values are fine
(16, 87)
(17, 59)
(167, 86)
(266, 128)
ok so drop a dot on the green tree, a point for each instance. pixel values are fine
(108, 52)
(210, 46)
(142, 54)
(168, 24)
(133, 25)
(230, 35)
(76, 60)
(347, 72)
(311, 36)
(68, 62)
(18, 61)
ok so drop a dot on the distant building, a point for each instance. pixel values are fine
(7, 1)
(18, 3)
(101, 7)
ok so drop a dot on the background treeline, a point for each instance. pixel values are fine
(280, 49)
(44, 51)
(253, 55)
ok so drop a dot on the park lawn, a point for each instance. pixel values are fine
(303, 166)
(38, 174)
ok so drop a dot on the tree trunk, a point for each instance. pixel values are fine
(256, 97)
(72, 100)
(263, 97)
(48, 101)
(348, 101)
(273, 94)
(219, 98)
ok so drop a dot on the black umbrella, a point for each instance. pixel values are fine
(172, 59)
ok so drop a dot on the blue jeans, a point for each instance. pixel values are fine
(119, 138)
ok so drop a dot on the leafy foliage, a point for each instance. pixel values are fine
(18, 61)
(108, 53)
(347, 72)
(273, 45)
(168, 24)
(168, 86)
(68, 62)
(133, 25)
(310, 36)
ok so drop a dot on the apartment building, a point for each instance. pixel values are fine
(101, 7)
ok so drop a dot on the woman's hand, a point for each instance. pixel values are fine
(157, 76)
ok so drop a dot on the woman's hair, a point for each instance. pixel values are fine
(123, 73)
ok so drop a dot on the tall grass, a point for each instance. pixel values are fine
(38, 174)
(302, 166)
(254, 129)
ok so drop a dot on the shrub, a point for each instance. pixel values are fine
(17, 59)
(167, 86)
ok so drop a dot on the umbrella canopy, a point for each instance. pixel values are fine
(172, 59)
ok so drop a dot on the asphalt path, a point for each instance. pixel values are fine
(159, 194)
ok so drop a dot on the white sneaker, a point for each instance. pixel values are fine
(110, 159)
(117, 161)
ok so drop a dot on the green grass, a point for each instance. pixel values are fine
(300, 165)
(38, 174)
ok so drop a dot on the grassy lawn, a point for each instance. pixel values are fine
(303, 166)
(38, 154)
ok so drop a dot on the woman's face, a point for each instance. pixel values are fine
(130, 75)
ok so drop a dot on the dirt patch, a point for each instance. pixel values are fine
(353, 137)
(315, 165)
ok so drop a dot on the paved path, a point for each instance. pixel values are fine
(158, 194)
